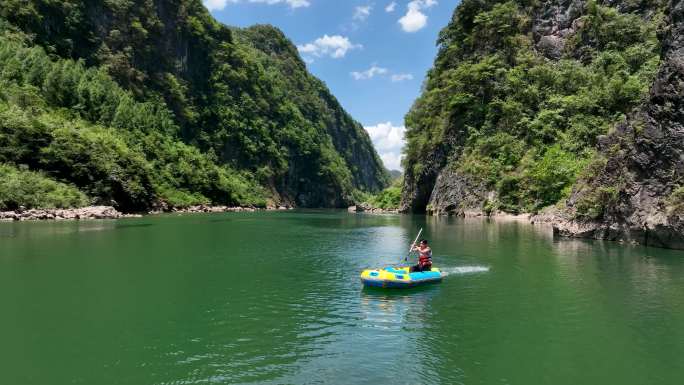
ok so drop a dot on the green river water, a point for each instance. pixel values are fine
(275, 298)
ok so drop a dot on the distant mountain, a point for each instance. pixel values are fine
(146, 104)
(395, 174)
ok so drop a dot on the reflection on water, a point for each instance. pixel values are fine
(132, 225)
(48, 229)
(275, 298)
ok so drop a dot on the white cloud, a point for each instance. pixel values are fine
(375, 70)
(291, 3)
(361, 13)
(388, 141)
(298, 3)
(391, 160)
(215, 5)
(401, 77)
(335, 46)
(369, 73)
(390, 7)
(414, 19)
(423, 3)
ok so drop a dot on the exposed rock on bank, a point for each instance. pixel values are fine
(458, 194)
(366, 208)
(548, 215)
(462, 195)
(223, 209)
(211, 209)
(109, 212)
(91, 212)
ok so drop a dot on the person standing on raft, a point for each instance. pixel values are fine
(424, 257)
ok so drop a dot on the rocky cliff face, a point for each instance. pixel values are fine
(519, 95)
(459, 194)
(437, 186)
(517, 131)
(634, 195)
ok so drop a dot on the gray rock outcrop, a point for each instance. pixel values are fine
(90, 212)
(366, 207)
(553, 23)
(459, 194)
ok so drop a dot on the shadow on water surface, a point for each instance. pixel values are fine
(132, 225)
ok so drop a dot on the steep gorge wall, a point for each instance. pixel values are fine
(636, 195)
(518, 86)
(567, 103)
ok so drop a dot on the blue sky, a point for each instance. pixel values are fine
(372, 54)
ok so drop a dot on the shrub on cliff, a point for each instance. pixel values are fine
(675, 202)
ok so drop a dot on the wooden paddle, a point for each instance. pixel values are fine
(413, 244)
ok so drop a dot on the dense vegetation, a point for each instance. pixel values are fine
(389, 198)
(30, 189)
(142, 104)
(76, 124)
(498, 108)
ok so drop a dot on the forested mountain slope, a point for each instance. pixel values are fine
(520, 96)
(150, 103)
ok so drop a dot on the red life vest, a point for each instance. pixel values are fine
(425, 258)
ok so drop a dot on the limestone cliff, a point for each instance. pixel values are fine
(567, 103)
(635, 193)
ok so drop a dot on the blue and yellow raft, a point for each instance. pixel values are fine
(399, 277)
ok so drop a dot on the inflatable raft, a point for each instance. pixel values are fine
(399, 277)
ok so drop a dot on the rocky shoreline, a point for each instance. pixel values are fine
(220, 209)
(368, 209)
(109, 212)
(90, 212)
(656, 231)
(653, 234)
(561, 225)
